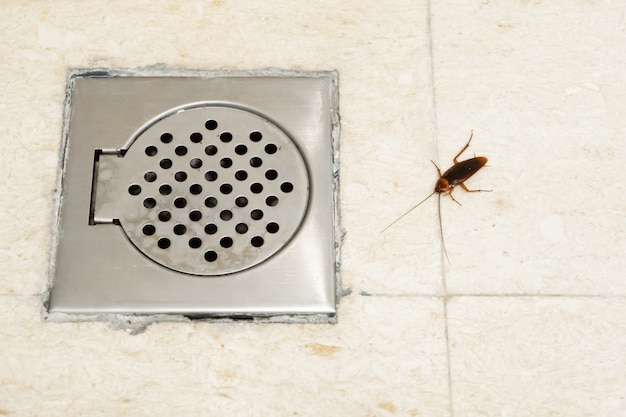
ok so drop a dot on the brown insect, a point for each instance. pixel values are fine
(457, 174)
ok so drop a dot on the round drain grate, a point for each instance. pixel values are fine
(212, 190)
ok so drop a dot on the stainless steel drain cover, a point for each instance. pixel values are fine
(206, 189)
(204, 194)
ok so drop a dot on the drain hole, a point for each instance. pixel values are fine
(272, 227)
(241, 175)
(256, 214)
(180, 176)
(286, 187)
(180, 202)
(241, 228)
(271, 201)
(256, 136)
(241, 149)
(226, 162)
(226, 215)
(150, 176)
(165, 216)
(210, 256)
(164, 243)
(195, 163)
(165, 189)
(196, 137)
(211, 124)
(181, 150)
(180, 229)
(226, 242)
(195, 189)
(210, 229)
(241, 201)
(151, 150)
(226, 137)
(166, 137)
(195, 215)
(226, 188)
(210, 150)
(134, 189)
(149, 203)
(257, 241)
(271, 174)
(271, 148)
(148, 230)
(210, 202)
(256, 188)
(166, 163)
(195, 242)
(210, 175)
(256, 162)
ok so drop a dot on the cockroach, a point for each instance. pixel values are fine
(457, 174)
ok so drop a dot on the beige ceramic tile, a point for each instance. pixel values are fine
(385, 357)
(540, 84)
(537, 356)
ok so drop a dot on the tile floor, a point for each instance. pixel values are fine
(527, 319)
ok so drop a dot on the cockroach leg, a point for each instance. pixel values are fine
(464, 148)
(472, 191)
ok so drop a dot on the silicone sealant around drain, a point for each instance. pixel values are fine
(206, 189)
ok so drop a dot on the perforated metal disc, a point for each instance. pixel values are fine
(212, 190)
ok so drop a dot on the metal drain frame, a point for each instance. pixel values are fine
(96, 274)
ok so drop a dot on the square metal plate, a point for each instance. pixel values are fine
(269, 137)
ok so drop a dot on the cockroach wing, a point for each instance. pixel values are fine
(459, 173)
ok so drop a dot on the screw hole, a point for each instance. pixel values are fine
(181, 150)
(180, 229)
(241, 228)
(195, 215)
(166, 163)
(165, 216)
(257, 241)
(148, 230)
(195, 163)
(256, 188)
(272, 227)
(210, 229)
(166, 137)
(180, 176)
(270, 148)
(226, 162)
(150, 176)
(256, 162)
(149, 203)
(210, 175)
(165, 189)
(241, 175)
(196, 137)
(195, 189)
(195, 242)
(164, 243)
(226, 242)
(211, 124)
(210, 202)
(271, 174)
(210, 150)
(271, 201)
(226, 215)
(226, 137)
(256, 136)
(134, 189)
(286, 187)
(180, 202)
(241, 149)
(151, 150)
(241, 201)
(226, 188)
(210, 256)
(256, 214)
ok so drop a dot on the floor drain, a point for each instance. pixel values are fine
(210, 190)
(200, 194)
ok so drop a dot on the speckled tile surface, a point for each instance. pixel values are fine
(525, 319)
